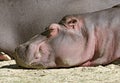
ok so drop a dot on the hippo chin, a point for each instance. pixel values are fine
(77, 40)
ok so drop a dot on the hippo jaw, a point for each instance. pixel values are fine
(27, 64)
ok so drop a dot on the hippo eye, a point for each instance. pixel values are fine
(47, 33)
(72, 21)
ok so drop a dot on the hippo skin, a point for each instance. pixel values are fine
(88, 39)
(22, 19)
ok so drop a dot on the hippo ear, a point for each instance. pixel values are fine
(74, 23)
(52, 30)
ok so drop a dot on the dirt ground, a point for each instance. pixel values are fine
(11, 73)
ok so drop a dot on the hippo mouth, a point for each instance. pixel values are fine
(22, 63)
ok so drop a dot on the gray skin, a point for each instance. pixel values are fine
(89, 39)
(22, 19)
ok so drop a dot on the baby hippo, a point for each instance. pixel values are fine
(77, 40)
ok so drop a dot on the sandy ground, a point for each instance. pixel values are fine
(11, 73)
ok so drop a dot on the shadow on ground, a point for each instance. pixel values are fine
(15, 66)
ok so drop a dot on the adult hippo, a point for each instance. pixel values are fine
(89, 39)
(22, 19)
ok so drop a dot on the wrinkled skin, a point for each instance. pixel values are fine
(78, 40)
(22, 19)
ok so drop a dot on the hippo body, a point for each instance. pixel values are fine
(22, 19)
(88, 39)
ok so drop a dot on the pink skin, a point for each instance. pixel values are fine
(64, 51)
(2, 57)
(78, 40)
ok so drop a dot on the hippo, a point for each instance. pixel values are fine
(22, 19)
(78, 40)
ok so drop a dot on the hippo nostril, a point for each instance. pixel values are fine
(38, 56)
(27, 47)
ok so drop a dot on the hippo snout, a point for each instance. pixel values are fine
(26, 56)
(35, 53)
(20, 52)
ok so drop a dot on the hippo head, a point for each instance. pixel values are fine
(60, 45)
